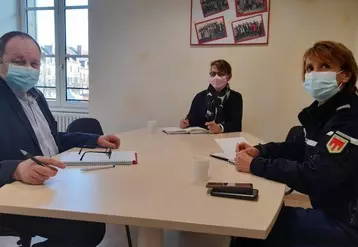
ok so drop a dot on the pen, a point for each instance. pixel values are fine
(29, 156)
(97, 168)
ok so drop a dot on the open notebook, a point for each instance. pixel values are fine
(99, 159)
(228, 147)
(191, 130)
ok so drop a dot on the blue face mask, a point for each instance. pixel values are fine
(21, 79)
(321, 85)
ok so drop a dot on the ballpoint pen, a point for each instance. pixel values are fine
(29, 156)
(97, 168)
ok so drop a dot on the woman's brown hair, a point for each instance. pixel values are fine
(330, 51)
(222, 66)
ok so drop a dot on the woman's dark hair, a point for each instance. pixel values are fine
(8, 36)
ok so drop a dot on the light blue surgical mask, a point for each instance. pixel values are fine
(321, 85)
(21, 79)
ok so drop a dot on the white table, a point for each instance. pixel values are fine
(157, 194)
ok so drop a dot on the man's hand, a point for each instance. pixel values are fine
(109, 141)
(247, 148)
(213, 127)
(31, 173)
(184, 123)
(243, 161)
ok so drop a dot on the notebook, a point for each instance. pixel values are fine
(99, 159)
(191, 130)
(228, 147)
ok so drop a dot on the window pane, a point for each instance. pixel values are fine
(39, 3)
(77, 32)
(41, 26)
(49, 93)
(77, 79)
(76, 2)
(47, 81)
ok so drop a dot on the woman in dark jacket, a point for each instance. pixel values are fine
(323, 164)
(218, 108)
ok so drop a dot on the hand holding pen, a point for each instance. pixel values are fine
(36, 170)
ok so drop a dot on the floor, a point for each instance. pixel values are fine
(116, 237)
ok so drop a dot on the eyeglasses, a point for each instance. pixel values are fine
(108, 152)
(213, 74)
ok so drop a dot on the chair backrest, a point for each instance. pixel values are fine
(85, 125)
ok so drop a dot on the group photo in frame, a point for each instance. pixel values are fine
(211, 30)
(211, 7)
(248, 28)
(250, 7)
(229, 22)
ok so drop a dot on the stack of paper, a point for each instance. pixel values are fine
(228, 147)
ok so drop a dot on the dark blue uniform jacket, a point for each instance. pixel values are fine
(324, 162)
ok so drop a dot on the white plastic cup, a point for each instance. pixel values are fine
(201, 170)
(151, 125)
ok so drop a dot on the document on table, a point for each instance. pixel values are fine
(228, 147)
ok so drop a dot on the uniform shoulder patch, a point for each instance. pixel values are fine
(336, 144)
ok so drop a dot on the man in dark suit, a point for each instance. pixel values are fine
(27, 123)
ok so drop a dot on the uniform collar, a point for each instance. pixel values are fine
(316, 113)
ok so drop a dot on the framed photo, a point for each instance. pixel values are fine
(210, 30)
(229, 22)
(211, 7)
(250, 7)
(248, 28)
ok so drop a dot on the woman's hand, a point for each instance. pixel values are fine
(213, 127)
(243, 161)
(184, 123)
(247, 148)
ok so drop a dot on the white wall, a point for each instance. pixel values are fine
(8, 16)
(142, 66)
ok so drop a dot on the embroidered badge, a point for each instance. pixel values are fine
(336, 144)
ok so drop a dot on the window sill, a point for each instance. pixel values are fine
(71, 107)
(69, 110)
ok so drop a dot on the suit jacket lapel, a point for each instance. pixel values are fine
(12, 100)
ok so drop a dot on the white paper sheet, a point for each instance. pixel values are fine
(228, 145)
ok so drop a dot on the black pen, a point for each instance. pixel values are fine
(29, 156)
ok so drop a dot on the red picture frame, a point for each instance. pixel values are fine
(256, 27)
(238, 14)
(214, 13)
(229, 16)
(210, 29)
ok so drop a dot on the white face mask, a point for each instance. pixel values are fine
(322, 85)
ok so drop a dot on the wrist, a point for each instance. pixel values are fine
(221, 128)
(16, 175)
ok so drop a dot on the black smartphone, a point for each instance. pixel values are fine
(251, 197)
(239, 188)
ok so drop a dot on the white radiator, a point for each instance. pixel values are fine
(65, 118)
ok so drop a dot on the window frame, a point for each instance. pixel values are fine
(59, 8)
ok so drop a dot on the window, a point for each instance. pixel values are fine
(61, 29)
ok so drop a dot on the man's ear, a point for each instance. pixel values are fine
(229, 77)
